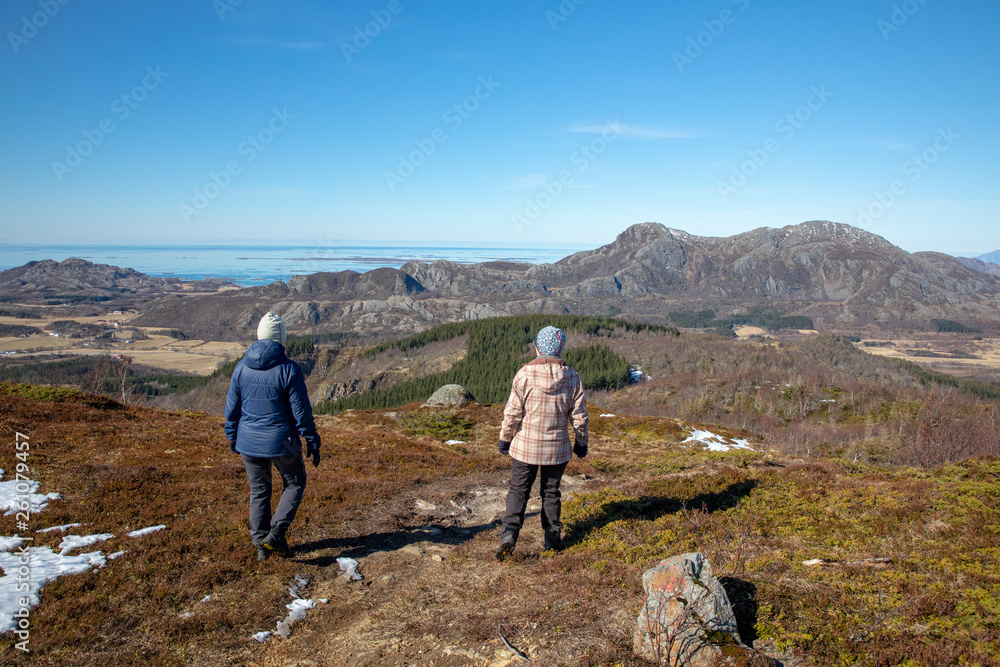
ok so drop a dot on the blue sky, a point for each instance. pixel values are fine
(519, 121)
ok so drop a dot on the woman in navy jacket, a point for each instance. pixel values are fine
(268, 414)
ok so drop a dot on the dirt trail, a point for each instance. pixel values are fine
(404, 552)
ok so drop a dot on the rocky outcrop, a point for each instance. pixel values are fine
(449, 396)
(686, 618)
(979, 265)
(78, 276)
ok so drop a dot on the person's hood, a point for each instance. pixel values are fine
(548, 374)
(264, 354)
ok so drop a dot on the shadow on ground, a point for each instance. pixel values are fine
(650, 508)
(365, 545)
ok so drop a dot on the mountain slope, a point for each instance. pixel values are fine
(79, 279)
(834, 273)
(993, 257)
(980, 265)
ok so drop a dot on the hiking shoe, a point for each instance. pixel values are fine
(277, 543)
(262, 553)
(552, 542)
(505, 549)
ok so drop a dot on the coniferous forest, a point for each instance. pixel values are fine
(496, 349)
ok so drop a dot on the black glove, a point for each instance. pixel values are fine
(314, 453)
(232, 446)
(504, 448)
(580, 450)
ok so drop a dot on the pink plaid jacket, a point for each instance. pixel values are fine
(545, 397)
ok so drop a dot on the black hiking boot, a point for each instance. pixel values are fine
(262, 553)
(506, 548)
(276, 543)
(553, 541)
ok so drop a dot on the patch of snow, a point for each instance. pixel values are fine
(186, 614)
(116, 554)
(15, 492)
(298, 584)
(10, 543)
(296, 609)
(43, 565)
(207, 598)
(637, 375)
(146, 531)
(350, 568)
(609, 415)
(59, 528)
(296, 612)
(716, 443)
(76, 541)
(455, 442)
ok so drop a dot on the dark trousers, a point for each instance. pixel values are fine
(522, 476)
(293, 477)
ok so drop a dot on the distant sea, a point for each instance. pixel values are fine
(261, 264)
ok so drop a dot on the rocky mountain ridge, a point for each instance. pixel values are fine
(79, 278)
(838, 275)
(979, 265)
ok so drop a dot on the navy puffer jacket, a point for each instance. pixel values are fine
(268, 407)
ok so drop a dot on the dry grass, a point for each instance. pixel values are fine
(757, 518)
(120, 468)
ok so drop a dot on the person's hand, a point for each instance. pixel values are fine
(232, 446)
(580, 450)
(314, 453)
(504, 448)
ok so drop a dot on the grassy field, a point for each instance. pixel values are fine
(419, 514)
(151, 347)
(957, 354)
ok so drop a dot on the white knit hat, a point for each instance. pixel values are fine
(273, 327)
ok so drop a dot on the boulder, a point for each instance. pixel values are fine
(686, 618)
(449, 396)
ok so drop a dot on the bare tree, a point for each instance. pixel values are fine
(124, 391)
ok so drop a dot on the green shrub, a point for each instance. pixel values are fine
(438, 424)
(35, 392)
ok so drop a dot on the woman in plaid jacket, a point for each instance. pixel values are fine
(546, 396)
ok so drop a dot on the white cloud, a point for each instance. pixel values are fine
(632, 131)
(297, 46)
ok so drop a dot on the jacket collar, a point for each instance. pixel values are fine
(537, 361)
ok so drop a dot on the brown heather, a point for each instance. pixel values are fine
(757, 516)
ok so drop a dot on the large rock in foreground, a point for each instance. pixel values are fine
(687, 619)
(449, 396)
